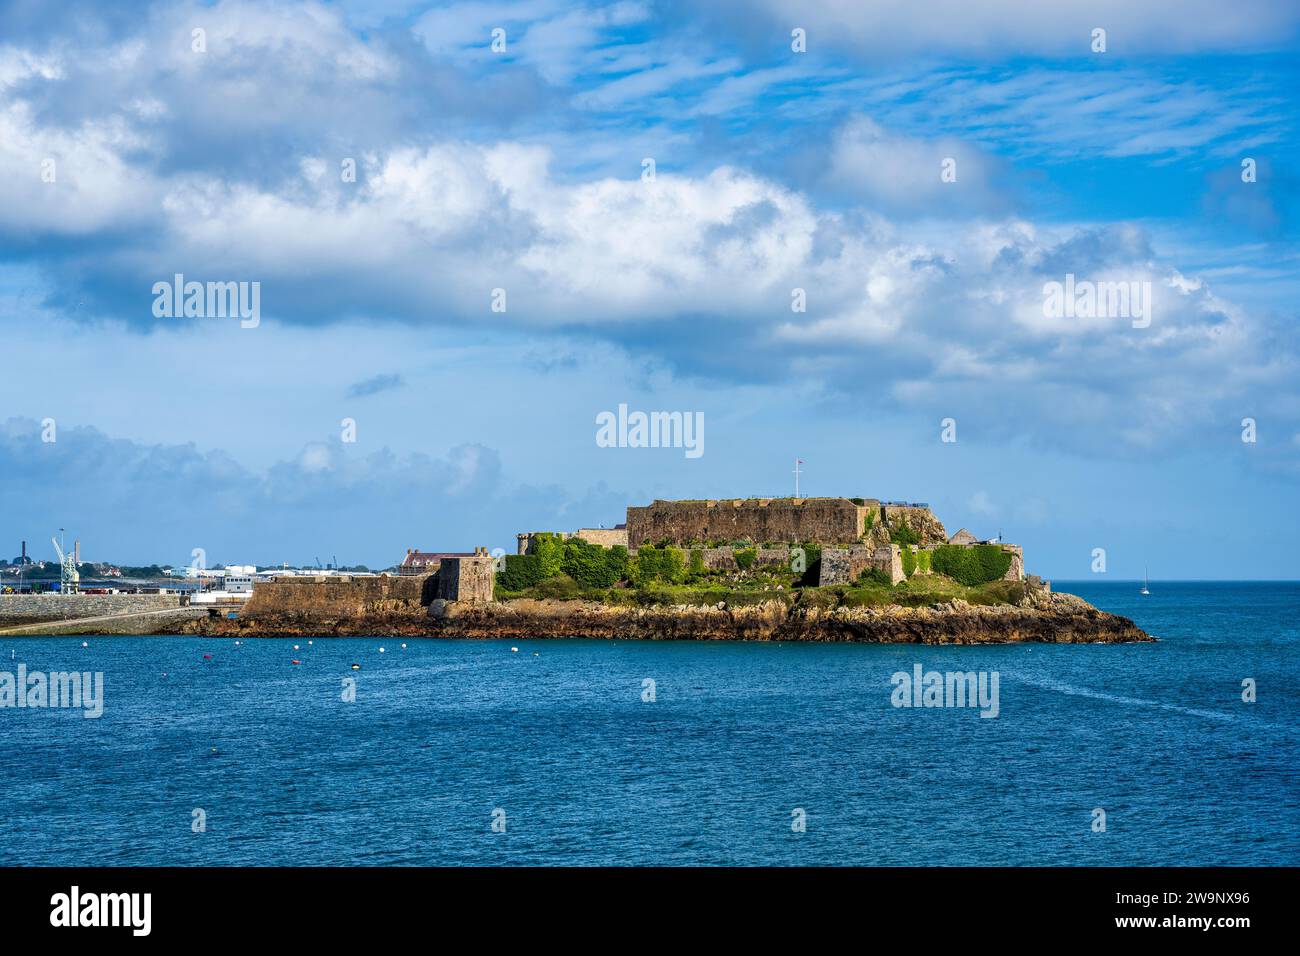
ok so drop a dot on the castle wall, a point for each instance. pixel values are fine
(845, 565)
(760, 520)
(605, 537)
(1017, 570)
(724, 559)
(339, 596)
(471, 580)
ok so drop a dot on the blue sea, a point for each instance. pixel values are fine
(554, 743)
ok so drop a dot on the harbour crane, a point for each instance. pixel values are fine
(69, 576)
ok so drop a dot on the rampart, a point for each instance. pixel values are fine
(758, 520)
(339, 596)
(724, 559)
(603, 537)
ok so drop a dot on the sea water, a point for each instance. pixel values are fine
(632, 752)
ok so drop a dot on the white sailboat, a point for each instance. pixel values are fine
(1146, 581)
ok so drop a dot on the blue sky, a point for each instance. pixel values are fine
(523, 171)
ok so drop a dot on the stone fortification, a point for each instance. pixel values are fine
(757, 520)
(467, 579)
(340, 596)
(846, 565)
(603, 537)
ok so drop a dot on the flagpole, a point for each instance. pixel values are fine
(796, 477)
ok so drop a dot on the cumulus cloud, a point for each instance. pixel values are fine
(326, 499)
(903, 174)
(953, 316)
(175, 162)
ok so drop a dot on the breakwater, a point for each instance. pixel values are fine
(16, 609)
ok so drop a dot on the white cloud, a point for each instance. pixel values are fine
(950, 307)
(430, 231)
(901, 173)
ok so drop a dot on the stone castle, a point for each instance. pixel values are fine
(854, 534)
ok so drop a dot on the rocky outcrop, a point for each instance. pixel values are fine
(1060, 619)
(1039, 617)
(920, 520)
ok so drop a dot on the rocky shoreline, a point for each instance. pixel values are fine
(1049, 619)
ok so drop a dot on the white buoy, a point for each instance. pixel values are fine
(381, 650)
(514, 650)
(84, 644)
(295, 647)
(310, 643)
(403, 647)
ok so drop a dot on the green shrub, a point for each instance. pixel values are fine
(662, 565)
(697, 569)
(923, 560)
(909, 561)
(971, 566)
(875, 576)
(745, 558)
(559, 588)
(902, 535)
(522, 571)
(549, 550)
(617, 558)
(591, 565)
(1000, 592)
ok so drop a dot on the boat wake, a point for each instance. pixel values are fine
(1073, 691)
